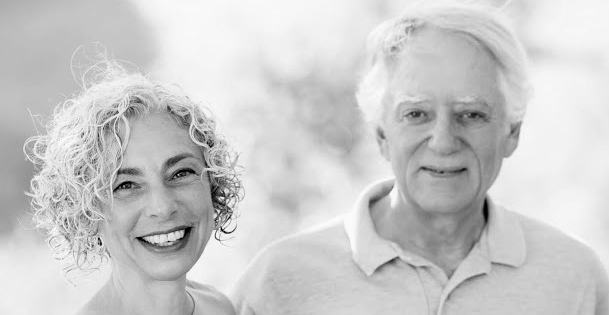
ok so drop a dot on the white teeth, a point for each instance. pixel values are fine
(171, 236)
(165, 239)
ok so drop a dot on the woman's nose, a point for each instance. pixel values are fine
(162, 203)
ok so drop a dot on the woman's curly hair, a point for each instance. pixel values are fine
(77, 160)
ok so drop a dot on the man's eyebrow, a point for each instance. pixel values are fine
(408, 98)
(129, 171)
(175, 159)
(471, 99)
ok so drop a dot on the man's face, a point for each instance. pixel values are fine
(444, 126)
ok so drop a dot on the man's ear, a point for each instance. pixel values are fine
(382, 141)
(512, 140)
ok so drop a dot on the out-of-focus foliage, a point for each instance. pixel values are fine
(281, 76)
(38, 40)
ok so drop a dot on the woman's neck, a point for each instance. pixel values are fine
(129, 292)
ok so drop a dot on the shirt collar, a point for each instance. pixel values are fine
(505, 242)
(503, 238)
(369, 250)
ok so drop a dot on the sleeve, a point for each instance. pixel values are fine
(602, 288)
(271, 284)
(250, 293)
(242, 297)
(602, 305)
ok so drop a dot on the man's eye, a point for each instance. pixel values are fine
(474, 116)
(414, 116)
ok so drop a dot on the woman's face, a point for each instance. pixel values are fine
(161, 216)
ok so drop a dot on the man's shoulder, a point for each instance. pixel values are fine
(300, 255)
(546, 242)
(313, 244)
(565, 259)
(281, 271)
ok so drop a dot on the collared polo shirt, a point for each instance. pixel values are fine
(518, 266)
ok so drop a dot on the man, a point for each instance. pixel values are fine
(445, 92)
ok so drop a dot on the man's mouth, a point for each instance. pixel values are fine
(444, 171)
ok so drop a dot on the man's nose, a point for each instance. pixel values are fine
(161, 203)
(443, 138)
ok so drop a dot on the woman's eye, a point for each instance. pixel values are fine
(126, 189)
(125, 185)
(183, 173)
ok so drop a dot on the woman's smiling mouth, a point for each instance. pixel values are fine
(167, 239)
(166, 242)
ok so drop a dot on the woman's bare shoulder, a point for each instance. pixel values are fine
(100, 303)
(93, 308)
(209, 300)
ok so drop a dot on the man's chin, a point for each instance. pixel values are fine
(444, 204)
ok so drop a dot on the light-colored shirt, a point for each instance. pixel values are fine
(518, 266)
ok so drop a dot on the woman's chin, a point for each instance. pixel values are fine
(170, 260)
(169, 272)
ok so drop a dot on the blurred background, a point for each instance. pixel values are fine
(280, 75)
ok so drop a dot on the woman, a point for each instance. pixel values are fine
(134, 173)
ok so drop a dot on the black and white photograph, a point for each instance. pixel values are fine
(276, 157)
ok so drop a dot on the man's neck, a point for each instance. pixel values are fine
(443, 238)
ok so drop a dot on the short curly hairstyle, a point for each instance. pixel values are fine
(78, 159)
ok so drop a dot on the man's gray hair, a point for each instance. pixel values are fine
(483, 23)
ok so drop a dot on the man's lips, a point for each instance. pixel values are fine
(444, 171)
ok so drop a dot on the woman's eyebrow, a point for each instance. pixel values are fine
(129, 171)
(175, 159)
